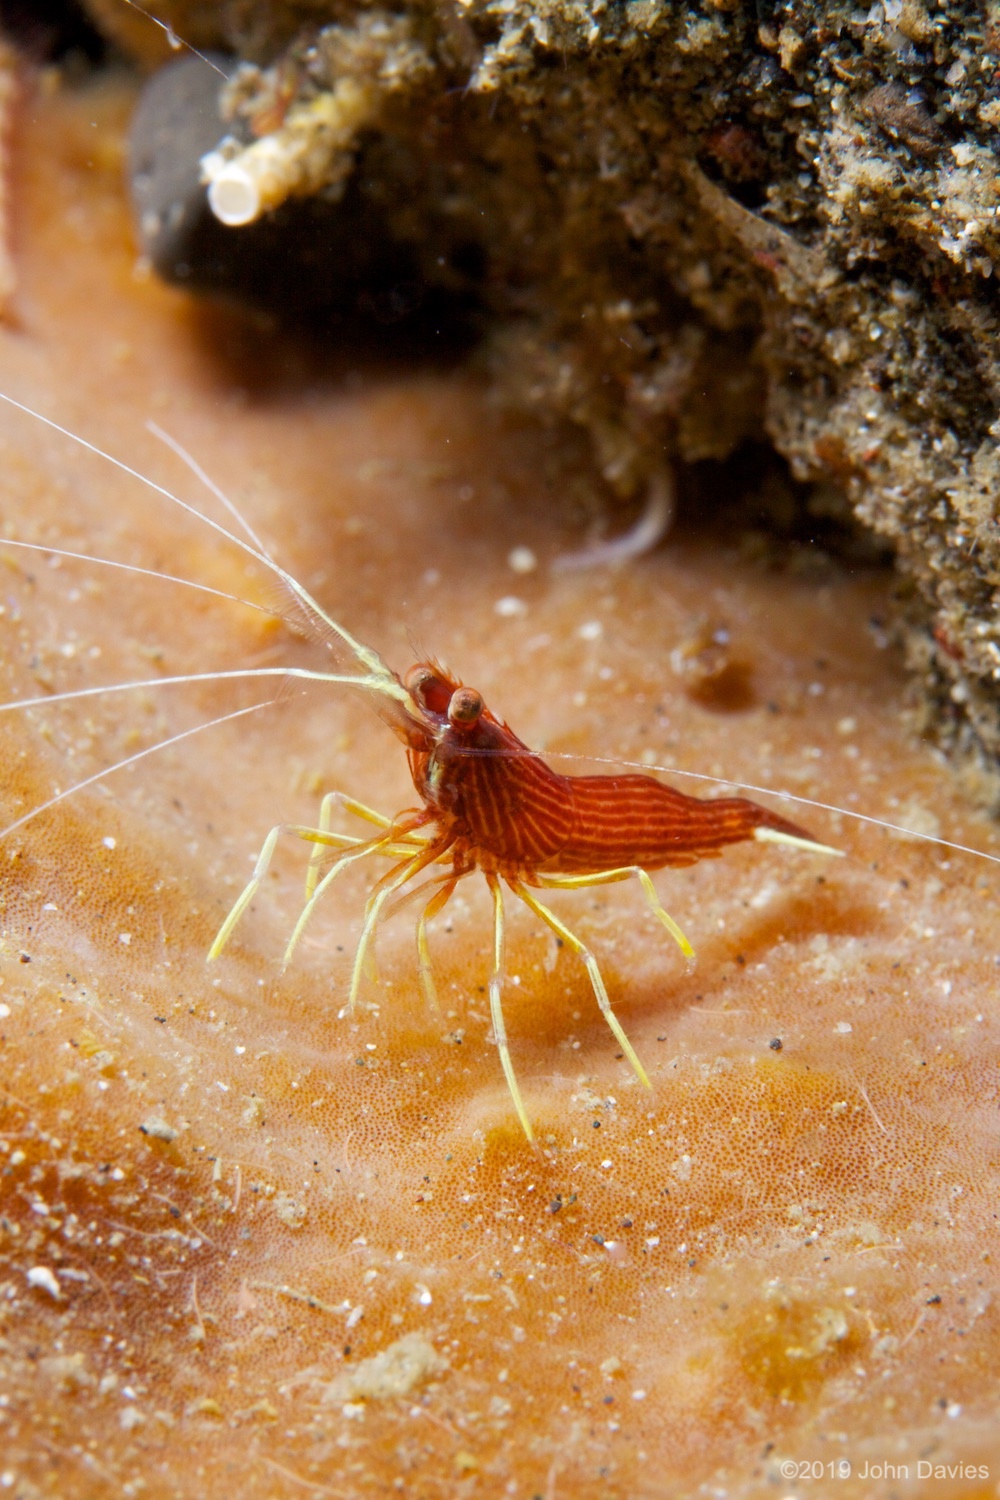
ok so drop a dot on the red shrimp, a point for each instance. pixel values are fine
(487, 802)
(491, 804)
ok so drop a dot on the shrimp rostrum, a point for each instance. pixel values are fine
(491, 804)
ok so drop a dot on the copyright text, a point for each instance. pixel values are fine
(842, 1468)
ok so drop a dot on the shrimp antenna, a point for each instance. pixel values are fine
(108, 562)
(209, 483)
(304, 674)
(378, 677)
(130, 760)
(196, 469)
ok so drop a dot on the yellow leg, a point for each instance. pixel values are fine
(496, 1008)
(436, 904)
(409, 898)
(329, 802)
(582, 951)
(389, 883)
(360, 851)
(316, 836)
(606, 877)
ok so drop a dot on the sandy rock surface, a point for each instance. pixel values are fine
(252, 1246)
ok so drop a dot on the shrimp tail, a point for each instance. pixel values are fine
(769, 828)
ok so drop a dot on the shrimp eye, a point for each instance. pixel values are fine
(465, 707)
(417, 679)
(428, 689)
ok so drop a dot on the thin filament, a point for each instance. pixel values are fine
(130, 760)
(299, 673)
(381, 679)
(209, 483)
(108, 562)
(175, 40)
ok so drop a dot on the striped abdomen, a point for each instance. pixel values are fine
(634, 820)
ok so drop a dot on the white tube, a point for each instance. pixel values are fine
(233, 196)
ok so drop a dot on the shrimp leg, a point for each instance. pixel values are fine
(436, 904)
(384, 888)
(360, 851)
(605, 877)
(313, 835)
(583, 952)
(496, 1008)
(329, 802)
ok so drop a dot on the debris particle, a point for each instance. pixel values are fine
(522, 560)
(45, 1280)
(510, 606)
(289, 1210)
(399, 1369)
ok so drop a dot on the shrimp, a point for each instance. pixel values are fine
(491, 804)
(487, 801)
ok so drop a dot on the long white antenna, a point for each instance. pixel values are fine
(240, 674)
(177, 42)
(108, 562)
(209, 483)
(130, 760)
(380, 678)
